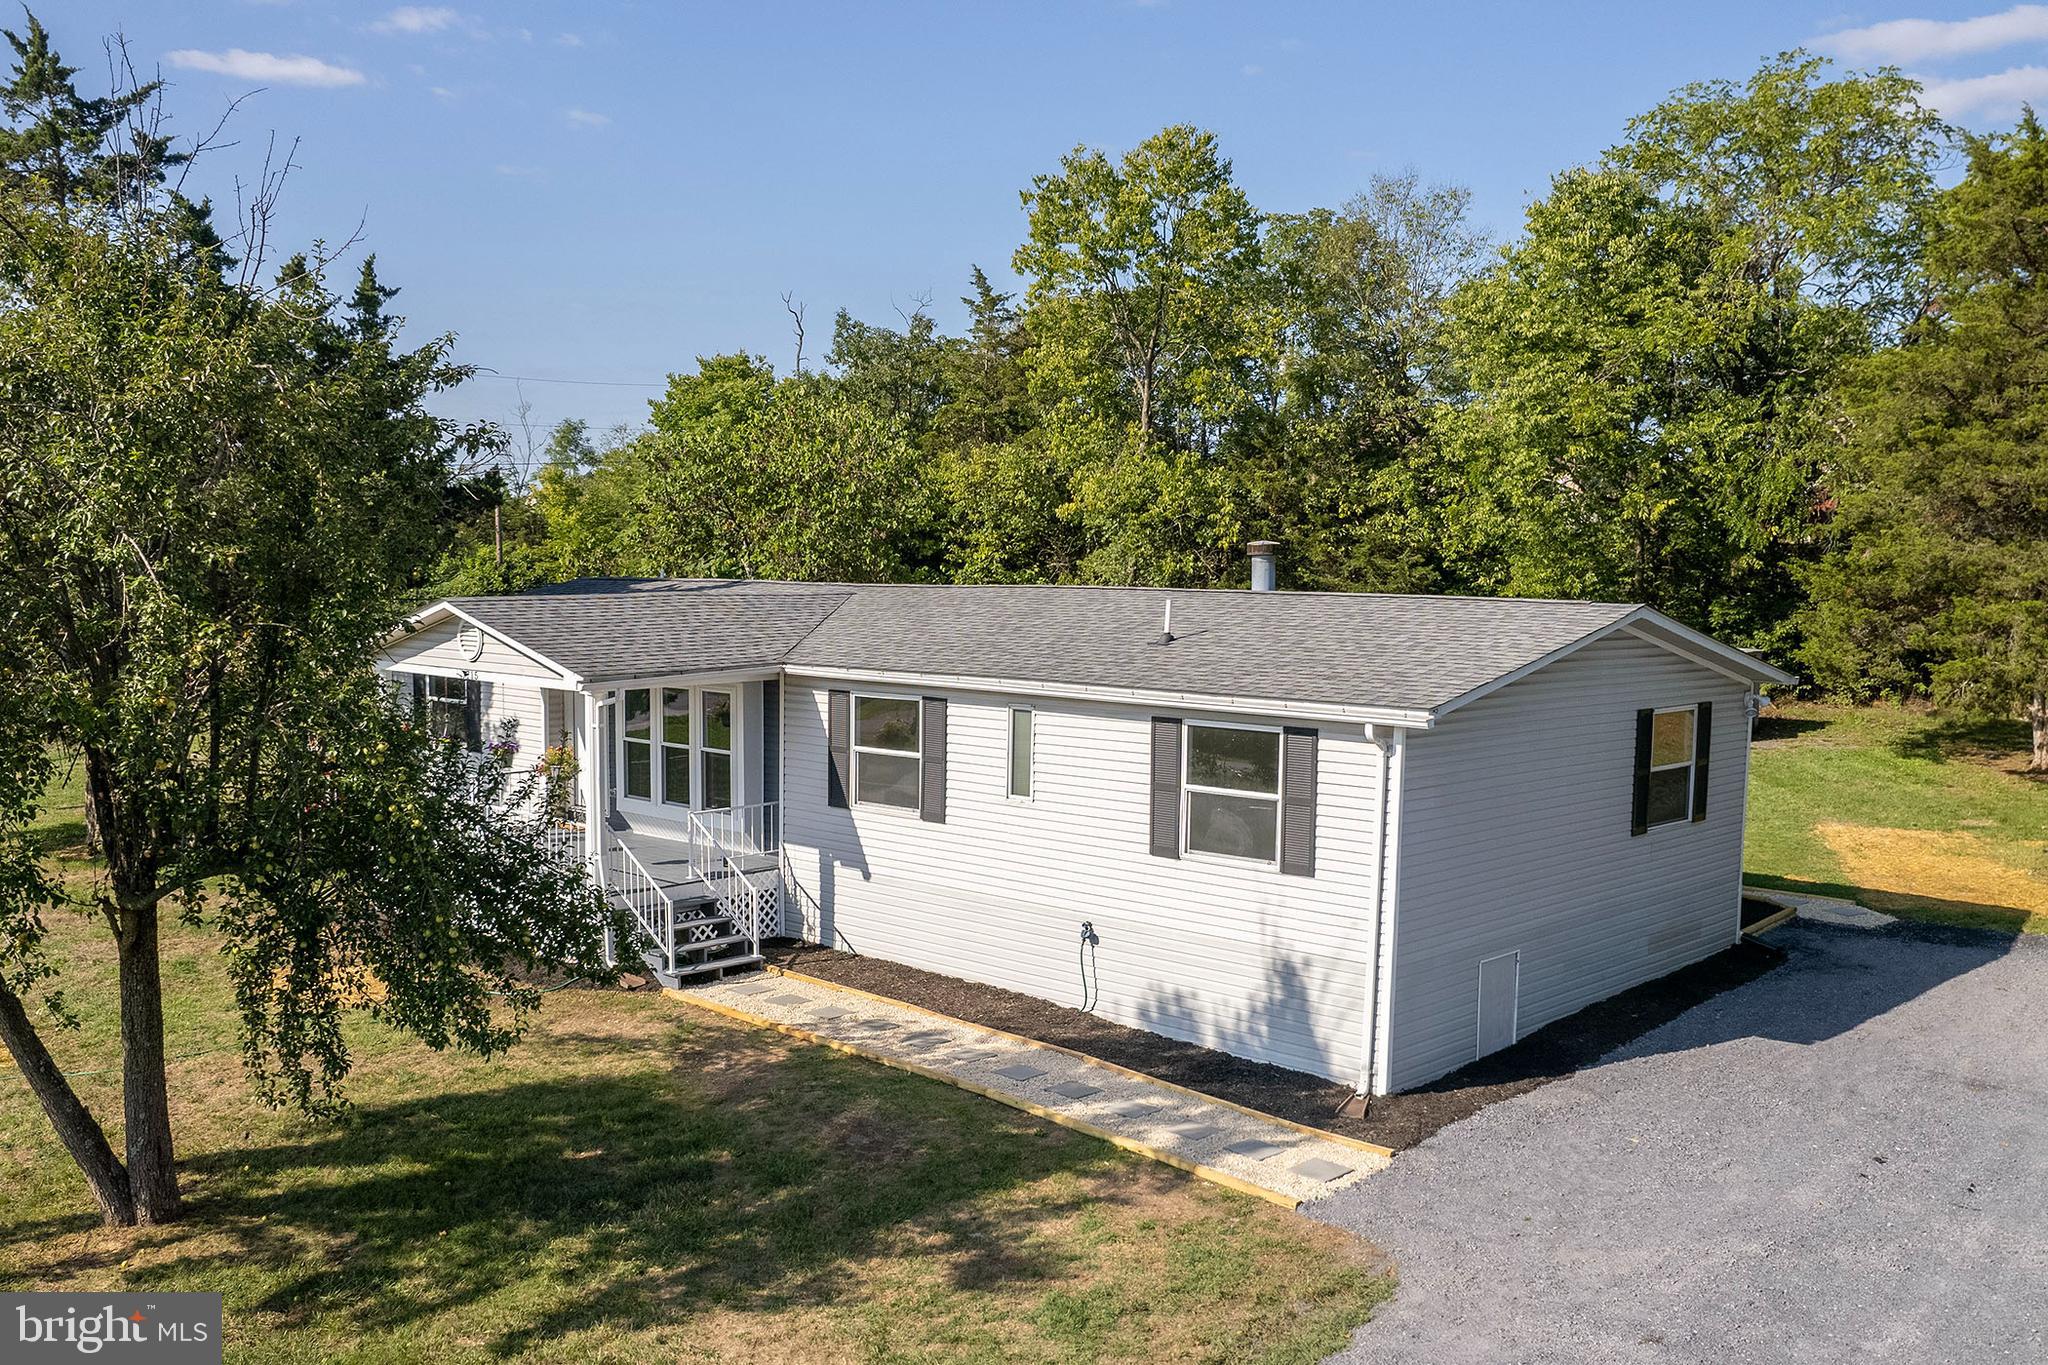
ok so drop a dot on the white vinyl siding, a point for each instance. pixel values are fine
(435, 648)
(1226, 953)
(1515, 836)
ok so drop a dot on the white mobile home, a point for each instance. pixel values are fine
(1368, 837)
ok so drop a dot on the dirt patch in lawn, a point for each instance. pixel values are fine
(1905, 868)
(1395, 1121)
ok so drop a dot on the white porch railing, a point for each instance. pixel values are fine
(633, 884)
(721, 843)
(736, 830)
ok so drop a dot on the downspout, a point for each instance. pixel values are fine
(1368, 1023)
(1397, 754)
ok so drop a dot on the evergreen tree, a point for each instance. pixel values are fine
(1939, 578)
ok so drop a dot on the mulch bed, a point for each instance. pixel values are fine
(1395, 1121)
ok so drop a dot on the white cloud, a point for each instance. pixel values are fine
(1253, 70)
(287, 69)
(584, 118)
(417, 19)
(1998, 95)
(1920, 40)
(568, 40)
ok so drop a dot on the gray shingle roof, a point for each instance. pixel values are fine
(605, 629)
(1345, 649)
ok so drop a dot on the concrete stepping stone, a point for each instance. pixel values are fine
(1137, 1109)
(1075, 1090)
(1020, 1071)
(758, 988)
(1258, 1149)
(923, 1040)
(1194, 1132)
(829, 1014)
(789, 1000)
(1316, 1168)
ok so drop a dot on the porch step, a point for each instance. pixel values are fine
(713, 970)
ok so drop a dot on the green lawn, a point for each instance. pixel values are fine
(1909, 813)
(643, 1181)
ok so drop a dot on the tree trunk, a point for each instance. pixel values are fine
(2037, 716)
(75, 1125)
(145, 1090)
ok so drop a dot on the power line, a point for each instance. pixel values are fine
(483, 373)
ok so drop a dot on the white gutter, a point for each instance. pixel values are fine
(1404, 717)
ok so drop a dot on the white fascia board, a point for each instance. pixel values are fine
(709, 678)
(426, 616)
(1703, 650)
(1396, 717)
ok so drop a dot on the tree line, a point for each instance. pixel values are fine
(1754, 366)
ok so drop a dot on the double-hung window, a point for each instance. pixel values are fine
(887, 751)
(636, 736)
(1230, 791)
(675, 745)
(446, 707)
(1672, 733)
(715, 743)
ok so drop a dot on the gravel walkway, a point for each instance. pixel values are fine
(1844, 1160)
(1260, 1151)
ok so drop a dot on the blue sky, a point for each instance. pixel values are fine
(603, 191)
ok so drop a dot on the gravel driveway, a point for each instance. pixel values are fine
(1845, 1160)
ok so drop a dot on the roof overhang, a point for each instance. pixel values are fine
(1398, 717)
(1653, 626)
(443, 610)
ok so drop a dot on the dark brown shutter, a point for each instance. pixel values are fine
(473, 715)
(1298, 802)
(931, 796)
(839, 744)
(1702, 745)
(1165, 787)
(419, 692)
(1639, 819)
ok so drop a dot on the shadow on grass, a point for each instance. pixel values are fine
(1770, 727)
(2003, 920)
(622, 1201)
(1964, 737)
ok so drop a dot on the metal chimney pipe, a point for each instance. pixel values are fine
(1264, 577)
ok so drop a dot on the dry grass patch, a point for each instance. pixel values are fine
(1913, 869)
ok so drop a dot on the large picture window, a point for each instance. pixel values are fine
(675, 745)
(1671, 764)
(636, 736)
(886, 751)
(1231, 792)
(716, 745)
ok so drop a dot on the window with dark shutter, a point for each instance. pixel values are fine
(1298, 803)
(1702, 743)
(932, 782)
(1165, 787)
(473, 716)
(1639, 804)
(1669, 766)
(839, 746)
